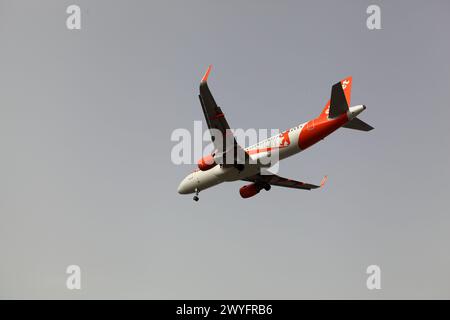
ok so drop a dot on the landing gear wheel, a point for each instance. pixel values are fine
(267, 187)
(196, 198)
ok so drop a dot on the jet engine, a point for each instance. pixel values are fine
(206, 163)
(249, 190)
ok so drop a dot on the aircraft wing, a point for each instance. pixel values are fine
(275, 180)
(216, 121)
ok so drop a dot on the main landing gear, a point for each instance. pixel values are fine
(196, 198)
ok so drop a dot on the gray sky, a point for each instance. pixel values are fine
(86, 176)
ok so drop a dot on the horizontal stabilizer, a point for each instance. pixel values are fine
(358, 124)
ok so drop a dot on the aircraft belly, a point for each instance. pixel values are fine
(217, 175)
(209, 178)
(233, 174)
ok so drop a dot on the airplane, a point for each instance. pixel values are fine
(247, 164)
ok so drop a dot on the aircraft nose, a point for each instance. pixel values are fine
(182, 188)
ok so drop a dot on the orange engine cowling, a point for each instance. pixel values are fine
(206, 163)
(249, 190)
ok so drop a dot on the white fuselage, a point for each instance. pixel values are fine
(287, 143)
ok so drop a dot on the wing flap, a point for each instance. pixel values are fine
(276, 180)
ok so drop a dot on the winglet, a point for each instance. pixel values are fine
(324, 180)
(205, 77)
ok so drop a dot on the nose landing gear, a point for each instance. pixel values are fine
(196, 198)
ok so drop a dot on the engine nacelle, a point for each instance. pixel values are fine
(249, 190)
(206, 163)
